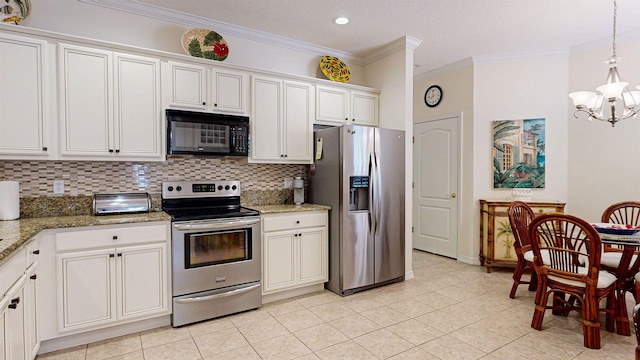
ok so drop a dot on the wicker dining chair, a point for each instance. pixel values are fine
(571, 268)
(625, 212)
(520, 216)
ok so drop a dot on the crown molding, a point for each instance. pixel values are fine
(403, 43)
(156, 12)
(443, 70)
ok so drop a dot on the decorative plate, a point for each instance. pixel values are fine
(205, 43)
(334, 69)
(14, 11)
(615, 229)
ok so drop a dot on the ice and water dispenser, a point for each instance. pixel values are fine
(358, 193)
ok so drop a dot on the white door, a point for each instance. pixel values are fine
(188, 86)
(22, 96)
(364, 108)
(141, 273)
(278, 260)
(137, 117)
(85, 100)
(313, 255)
(266, 119)
(86, 288)
(230, 91)
(435, 193)
(297, 120)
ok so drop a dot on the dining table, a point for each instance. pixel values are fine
(629, 244)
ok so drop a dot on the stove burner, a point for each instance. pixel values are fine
(211, 213)
(202, 200)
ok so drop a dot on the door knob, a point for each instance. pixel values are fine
(453, 195)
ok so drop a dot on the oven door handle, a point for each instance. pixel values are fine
(214, 225)
(217, 296)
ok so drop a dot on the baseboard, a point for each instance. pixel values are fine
(68, 341)
(408, 275)
(469, 260)
(292, 293)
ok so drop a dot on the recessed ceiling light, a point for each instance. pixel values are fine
(341, 20)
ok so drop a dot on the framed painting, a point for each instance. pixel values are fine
(519, 153)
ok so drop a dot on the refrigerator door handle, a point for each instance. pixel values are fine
(372, 218)
(378, 197)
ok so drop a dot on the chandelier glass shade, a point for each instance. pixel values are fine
(603, 106)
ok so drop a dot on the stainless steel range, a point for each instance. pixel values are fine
(215, 250)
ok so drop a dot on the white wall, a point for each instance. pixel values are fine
(456, 82)
(526, 88)
(394, 74)
(96, 22)
(500, 89)
(603, 160)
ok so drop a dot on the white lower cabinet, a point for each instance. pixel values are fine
(18, 316)
(104, 286)
(295, 250)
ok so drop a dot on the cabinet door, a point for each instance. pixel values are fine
(86, 288)
(313, 255)
(266, 119)
(230, 92)
(22, 97)
(138, 123)
(32, 335)
(188, 86)
(15, 321)
(142, 275)
(4, 329)
(279, 260)
(364, 108)
(332, 105)
(85, 100)
(297, 121)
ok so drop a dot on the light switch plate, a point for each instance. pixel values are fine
(288, 183)
(58, 186)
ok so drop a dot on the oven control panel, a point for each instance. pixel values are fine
(196, 189)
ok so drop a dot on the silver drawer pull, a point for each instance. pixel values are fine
(217, 296)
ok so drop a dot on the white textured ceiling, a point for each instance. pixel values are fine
(451, 30)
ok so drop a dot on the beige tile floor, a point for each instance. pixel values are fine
(449, 311)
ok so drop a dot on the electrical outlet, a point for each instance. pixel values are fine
(58, 186)
(288, 183)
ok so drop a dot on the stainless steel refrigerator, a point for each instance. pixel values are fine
(360, 174)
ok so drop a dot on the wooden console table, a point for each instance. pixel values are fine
(496, 238)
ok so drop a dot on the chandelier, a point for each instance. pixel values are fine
(612, 92)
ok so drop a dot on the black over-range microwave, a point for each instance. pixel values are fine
(197, 133)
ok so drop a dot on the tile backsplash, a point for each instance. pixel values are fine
(89, 177)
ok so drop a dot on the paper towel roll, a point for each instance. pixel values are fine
(9, 200)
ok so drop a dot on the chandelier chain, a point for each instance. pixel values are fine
(615, 12)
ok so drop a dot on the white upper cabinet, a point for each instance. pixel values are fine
(24, 115)
(332, 105)
(188, 86)
(230, 91)
(281, 121)
(109, 105)
(202, 88)
(364, 108)
(337, 106)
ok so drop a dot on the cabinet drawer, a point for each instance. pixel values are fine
(111, 237)
(293, 221)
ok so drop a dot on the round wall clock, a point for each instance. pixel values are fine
(433, 96)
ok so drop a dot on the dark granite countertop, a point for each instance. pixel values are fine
(15, 233)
